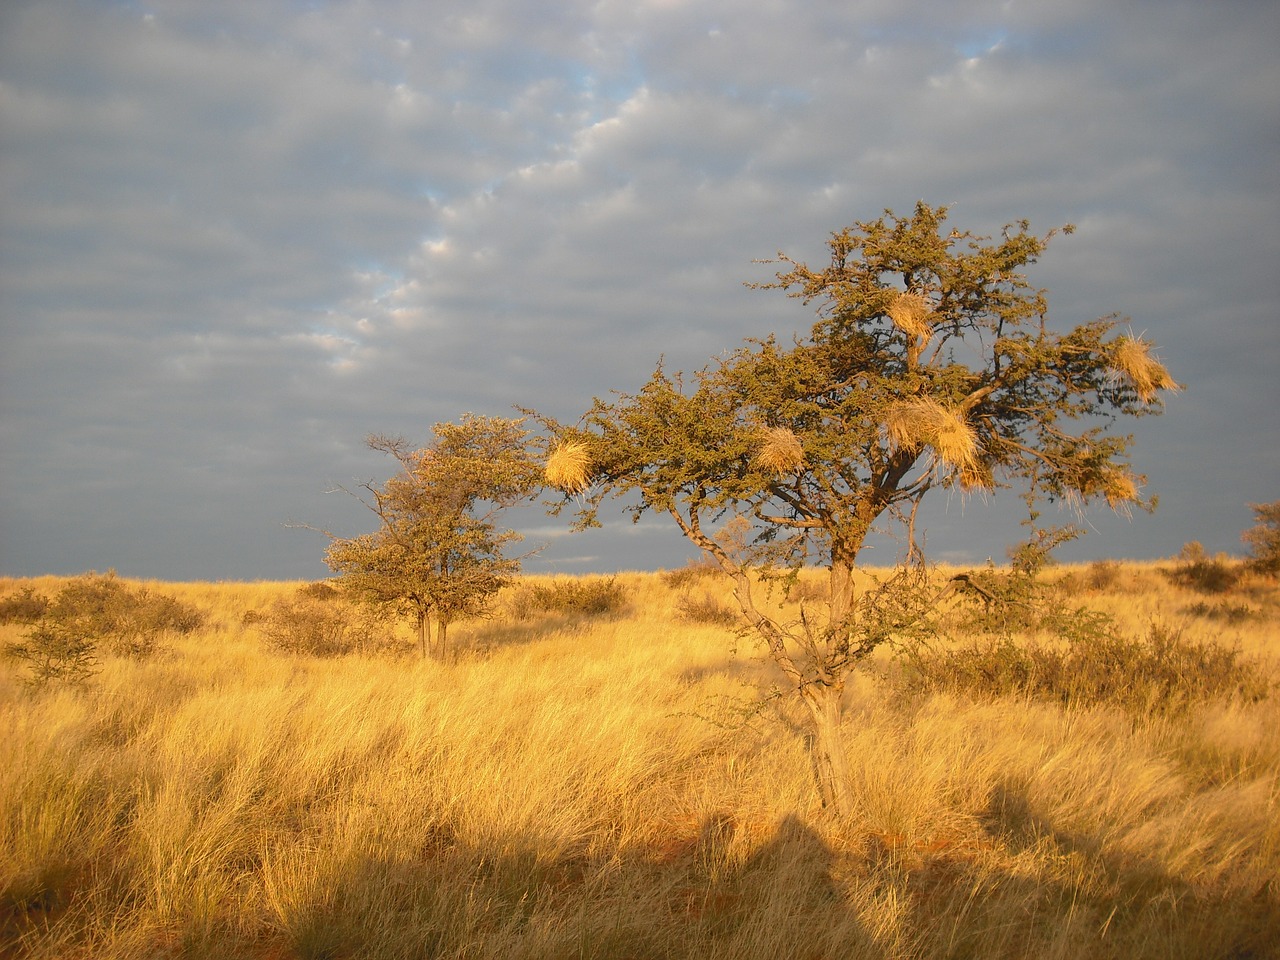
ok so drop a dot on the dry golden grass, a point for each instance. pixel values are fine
(560, 791)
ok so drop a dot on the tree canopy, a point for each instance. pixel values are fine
(439, 553)
(932, 364)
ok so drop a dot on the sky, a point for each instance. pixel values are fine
(236, 238)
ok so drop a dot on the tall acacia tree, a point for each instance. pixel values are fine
(931, 365)
(439, 553)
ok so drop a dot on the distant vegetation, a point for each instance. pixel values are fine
(595, 772)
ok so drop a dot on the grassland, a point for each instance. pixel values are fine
(622, 786)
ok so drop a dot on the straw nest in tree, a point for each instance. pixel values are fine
(917, 423)
(976, 476)
(1131, 358)
(910, 314)
(780, 452)
(1119, 488)
(569, 467)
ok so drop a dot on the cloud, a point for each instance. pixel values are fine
(237, 239)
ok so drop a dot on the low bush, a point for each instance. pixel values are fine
(313, 627)
(91, 611)
(1198, 571)
(25, 606)
(1231, 613)
(128, 619)
(996, 603)
(707, 609)
(1102, 575)
(1162, 671)
(586, 596)
(691, 573)
(320, 590)
(55, 650)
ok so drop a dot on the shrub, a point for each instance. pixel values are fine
(1162, 671)
(707, 609)
(129, 620)
(91, 610)
(321, 628)
(999, 604)
(587, 596)
(691, 573)
(320, 590)
(1198, 571)
(55, 650)
(25, 606)
(1231, 613)
(1263, 538)
(1102, 575)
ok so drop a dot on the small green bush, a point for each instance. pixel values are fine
(586, 596)
(320, 590)
(129, 620)
(1231, 613)
(1102, 575)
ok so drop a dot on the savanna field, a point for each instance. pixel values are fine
(601, 769)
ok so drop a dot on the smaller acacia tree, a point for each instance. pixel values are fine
(931, 365)
(439, 553)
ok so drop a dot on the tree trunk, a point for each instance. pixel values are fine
(826, 747)
(442, 638)
(422, 633)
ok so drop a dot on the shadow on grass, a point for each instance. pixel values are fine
(724, 887)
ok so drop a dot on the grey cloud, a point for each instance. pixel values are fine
(236, 239)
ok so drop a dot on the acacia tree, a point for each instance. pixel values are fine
(438, 554)
(931, 365)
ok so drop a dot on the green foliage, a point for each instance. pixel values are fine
(1263, 538)
(931, 365)
(586, 596)
(438, 553)
(320, 590)
(1160, 672)
(1230, 613)
(1102, 575)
